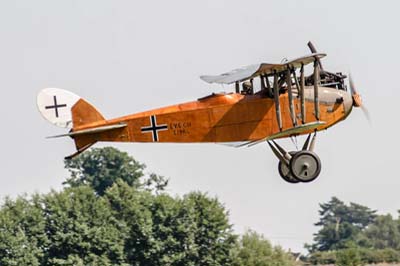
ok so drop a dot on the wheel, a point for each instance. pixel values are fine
(305, 166)
(284, 171)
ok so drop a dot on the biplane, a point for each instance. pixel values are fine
(268, 102)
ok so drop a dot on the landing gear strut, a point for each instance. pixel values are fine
(298, 166)
(284, 171)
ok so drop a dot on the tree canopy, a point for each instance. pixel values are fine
(340, 224)
(254, 250)
(101, 167)
(353, 235)
(123, 227)
(112, 213)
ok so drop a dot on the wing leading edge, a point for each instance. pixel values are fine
(252, 71)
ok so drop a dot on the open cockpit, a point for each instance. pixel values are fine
(264, 84)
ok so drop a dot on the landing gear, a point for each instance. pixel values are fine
(285, 173)
(302, 166)
(305, 166)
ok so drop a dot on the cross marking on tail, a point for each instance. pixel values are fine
(55, 106)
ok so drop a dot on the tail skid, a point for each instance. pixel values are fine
(79, 151)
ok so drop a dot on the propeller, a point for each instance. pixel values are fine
(314, 50)
(357, 101)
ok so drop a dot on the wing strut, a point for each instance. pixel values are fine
(316, 81)
(302, 97)
(277, 104)
(296, 80)
(262, 82)
(290, 93)
(270, 92)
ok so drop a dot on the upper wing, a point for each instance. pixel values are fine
(252, 71)
(232, 76)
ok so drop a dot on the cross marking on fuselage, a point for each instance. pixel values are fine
(55, 106)
(154, 128)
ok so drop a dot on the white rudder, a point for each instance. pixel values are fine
(55, 106)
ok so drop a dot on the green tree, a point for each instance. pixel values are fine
(348, 257)
(254, 250)
(193, 230)
(126, 226)
(360, 216)
(109, 215)
(321, 257)
(22, 232)
(213, 234)
(341, 224)
(99, 168)
(81, 227)
(354, 255)
(382, 233)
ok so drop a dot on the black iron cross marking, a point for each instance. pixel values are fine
(154, 128)
(55, 106)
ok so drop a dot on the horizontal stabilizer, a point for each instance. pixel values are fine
(91, 130)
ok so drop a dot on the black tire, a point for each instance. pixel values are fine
(303, 159)
(285, 174)
(284, 171)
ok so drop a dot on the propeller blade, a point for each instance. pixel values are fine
(366, 113)
(351, 84)
(357, 102)
(313, 50)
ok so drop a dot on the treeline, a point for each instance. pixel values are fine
(352, 234)
(111, 213)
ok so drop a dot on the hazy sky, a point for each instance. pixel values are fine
(129, 56)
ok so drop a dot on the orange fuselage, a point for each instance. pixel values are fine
(219, 118)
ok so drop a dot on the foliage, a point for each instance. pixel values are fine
(354, 255)
(192, 230)
(80, 225)
(353, 234)
(254, 250)
(101, 167)
(341, 224)
(125, 226)
(348, 257)
(108, 215)
(382, 233)
(155, 183)
(22, 232)
(322, 257)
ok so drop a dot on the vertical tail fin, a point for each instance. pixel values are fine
(84, 113)
(66, 109)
